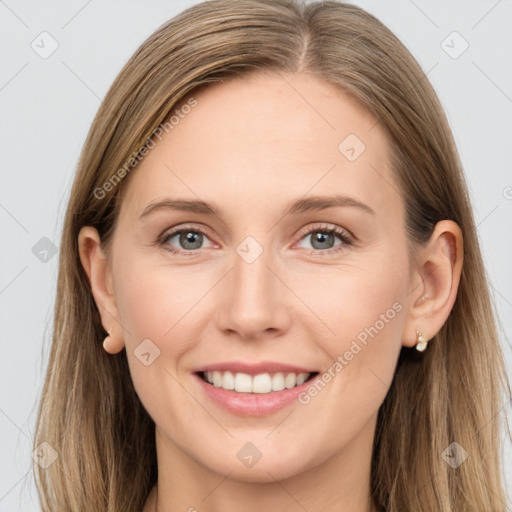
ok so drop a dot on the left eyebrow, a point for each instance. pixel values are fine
(311, 203)
(324, 202)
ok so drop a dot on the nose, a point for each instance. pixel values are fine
(253, 299)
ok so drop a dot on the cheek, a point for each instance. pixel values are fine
(156, 314)
(154, 308)
(154, 302)
(362, 312)
(366, 313)
(351, 298)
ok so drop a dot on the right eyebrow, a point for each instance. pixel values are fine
(188, 205)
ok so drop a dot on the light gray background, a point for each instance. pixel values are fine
(47, 106)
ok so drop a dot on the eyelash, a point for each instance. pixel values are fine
(340, 233)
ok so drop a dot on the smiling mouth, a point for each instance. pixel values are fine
(261, 384)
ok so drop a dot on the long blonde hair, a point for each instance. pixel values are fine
(89, 412)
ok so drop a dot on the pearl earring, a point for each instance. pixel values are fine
(421, 343)
(107, 341)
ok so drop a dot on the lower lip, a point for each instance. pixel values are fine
(253, 404)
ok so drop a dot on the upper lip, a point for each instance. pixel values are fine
(253, 368)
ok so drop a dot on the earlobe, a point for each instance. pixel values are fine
(96, 267)
(439, 267)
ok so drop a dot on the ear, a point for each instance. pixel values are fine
(435, 282)
(98, 271)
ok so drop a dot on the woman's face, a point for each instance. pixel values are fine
(273, 277)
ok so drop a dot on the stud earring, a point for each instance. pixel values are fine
(421, 343)
(113, 345)
(106, 342)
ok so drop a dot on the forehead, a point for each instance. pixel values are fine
(267, 136)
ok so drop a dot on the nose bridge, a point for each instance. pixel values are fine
(252, 302)
(250, 273)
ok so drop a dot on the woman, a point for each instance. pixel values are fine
(271, 292)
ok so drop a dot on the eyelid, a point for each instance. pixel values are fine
(171, 232)
(343, 234)
(183, 227)
(322, 226)
(346, 237)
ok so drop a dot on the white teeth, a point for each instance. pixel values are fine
(217, 379)
(261, 383)
(301, 378)
(290, 381)
(228, 381)
(243, 383)
(278, 382)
